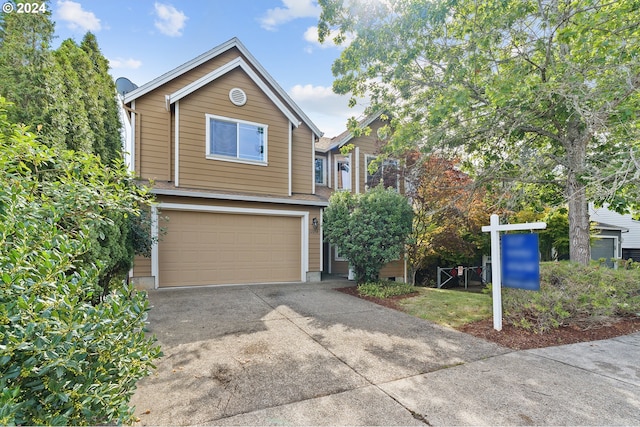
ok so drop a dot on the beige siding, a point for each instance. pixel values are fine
(141, 266)
(392, 270)
(196, 171)
(153, 148)
(302, 160)
(153, 140)
(369, 145)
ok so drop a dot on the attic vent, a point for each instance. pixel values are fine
(237, 96)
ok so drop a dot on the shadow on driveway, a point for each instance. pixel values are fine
(291, 353)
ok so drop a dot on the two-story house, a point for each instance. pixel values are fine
(230, 157)
(240, 174)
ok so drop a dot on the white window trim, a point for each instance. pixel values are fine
(210, 156)
(313, 170)
(357, 183)
(324, 170)
(336, 159)
(176, 178)
(304, 229)
(336, 256)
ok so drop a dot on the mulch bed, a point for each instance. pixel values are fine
(520, 339)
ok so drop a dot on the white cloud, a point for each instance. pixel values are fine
(170, 20)
(311, 35)
(77, 18)
(293, 9)
(326, 109)
(121, 63)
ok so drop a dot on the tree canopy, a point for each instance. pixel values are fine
(540, 97)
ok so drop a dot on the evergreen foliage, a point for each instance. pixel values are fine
(68, 97)
(67, 356)
(370, 228)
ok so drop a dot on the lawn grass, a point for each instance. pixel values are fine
(448, 307)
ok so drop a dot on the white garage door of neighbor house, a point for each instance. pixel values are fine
(205, 248)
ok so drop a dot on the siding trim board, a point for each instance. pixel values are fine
(237, 197)
(219, 72)
(176, 178)
(290, 154)
(207, 56)
(304, 231)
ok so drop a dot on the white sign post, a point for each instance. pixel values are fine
(496, 262)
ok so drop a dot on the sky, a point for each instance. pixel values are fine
(143, 39)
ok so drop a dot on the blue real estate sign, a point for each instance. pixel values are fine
(520, 261)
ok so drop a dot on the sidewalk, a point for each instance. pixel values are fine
(304, 354)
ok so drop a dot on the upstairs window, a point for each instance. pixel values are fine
(321, 170)
(236, 140)
(343, 174)
(387, 173)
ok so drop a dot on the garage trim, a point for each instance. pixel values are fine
(304, 229)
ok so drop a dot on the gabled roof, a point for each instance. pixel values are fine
(325, 144)
(201, 59)
(221, 71)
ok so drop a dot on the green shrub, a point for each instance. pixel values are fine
(385, 289)
(370, 228)
(65, 357)
(587, 296)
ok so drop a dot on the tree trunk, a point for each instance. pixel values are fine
(576, 149)
(579, 247)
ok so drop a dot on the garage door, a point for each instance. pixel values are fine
(205, 248)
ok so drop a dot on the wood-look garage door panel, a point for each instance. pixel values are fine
(203, 248)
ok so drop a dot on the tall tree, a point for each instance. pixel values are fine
(541, 93)
(103, 116)
(26, 65)
(69, 112)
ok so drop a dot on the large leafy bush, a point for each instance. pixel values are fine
(587, 296)
(65, 356)
(370, 228)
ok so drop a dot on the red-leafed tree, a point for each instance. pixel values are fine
(449, 212)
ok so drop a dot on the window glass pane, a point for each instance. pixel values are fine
(373, 179)
(223, 138)
(344, 175)
(320, 171)
(390, 174)
(251, 143)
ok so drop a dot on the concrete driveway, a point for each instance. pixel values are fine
(305, 354)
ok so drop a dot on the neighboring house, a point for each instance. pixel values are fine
(231, 160)
(335, 171)
(618, 235)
